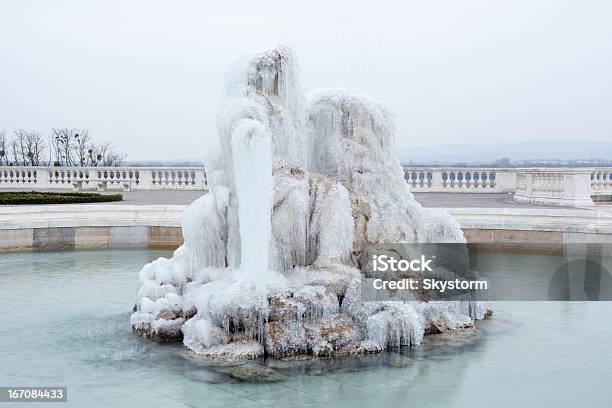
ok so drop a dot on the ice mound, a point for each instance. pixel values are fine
(298, 189)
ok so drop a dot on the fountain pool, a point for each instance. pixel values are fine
(65, 322)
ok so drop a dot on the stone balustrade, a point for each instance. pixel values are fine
(572, 187)
(103, 178)
(461, 180)
(557, 186)
(601, 182)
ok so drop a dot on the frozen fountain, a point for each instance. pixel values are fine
(300, 186)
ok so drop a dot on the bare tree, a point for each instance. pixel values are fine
(114, 159)
(107, 156)
(63, 142)
(28, 148)
(38, 148)
(95, 153)
(82, 146)
(4, 149)
(18, 147)
(67, 147)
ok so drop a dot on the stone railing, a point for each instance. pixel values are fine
(103, 178)
(461, 180)
(559, 186)
(601, 182)
(566, 187)
(556, 186)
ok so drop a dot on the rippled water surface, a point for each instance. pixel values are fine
(64, 321)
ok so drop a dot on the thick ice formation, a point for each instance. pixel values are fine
(300, 187)
(251, 149)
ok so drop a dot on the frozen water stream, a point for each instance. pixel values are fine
(254, 189)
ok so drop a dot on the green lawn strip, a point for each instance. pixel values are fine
(36, 197)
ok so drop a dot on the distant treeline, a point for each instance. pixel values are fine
(62, 147)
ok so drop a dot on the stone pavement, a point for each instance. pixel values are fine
(472, 200)
(160, 197)
(445, 200)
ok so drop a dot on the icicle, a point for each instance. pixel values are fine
(253, 176)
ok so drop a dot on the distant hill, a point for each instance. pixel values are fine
(544, 150)
(488, 152)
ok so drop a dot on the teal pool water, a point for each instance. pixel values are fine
(64, 321)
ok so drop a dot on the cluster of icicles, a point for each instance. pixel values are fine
(300, 185)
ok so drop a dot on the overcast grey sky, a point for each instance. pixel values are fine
(146, 75)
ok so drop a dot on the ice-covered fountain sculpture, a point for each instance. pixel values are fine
(300, 186)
